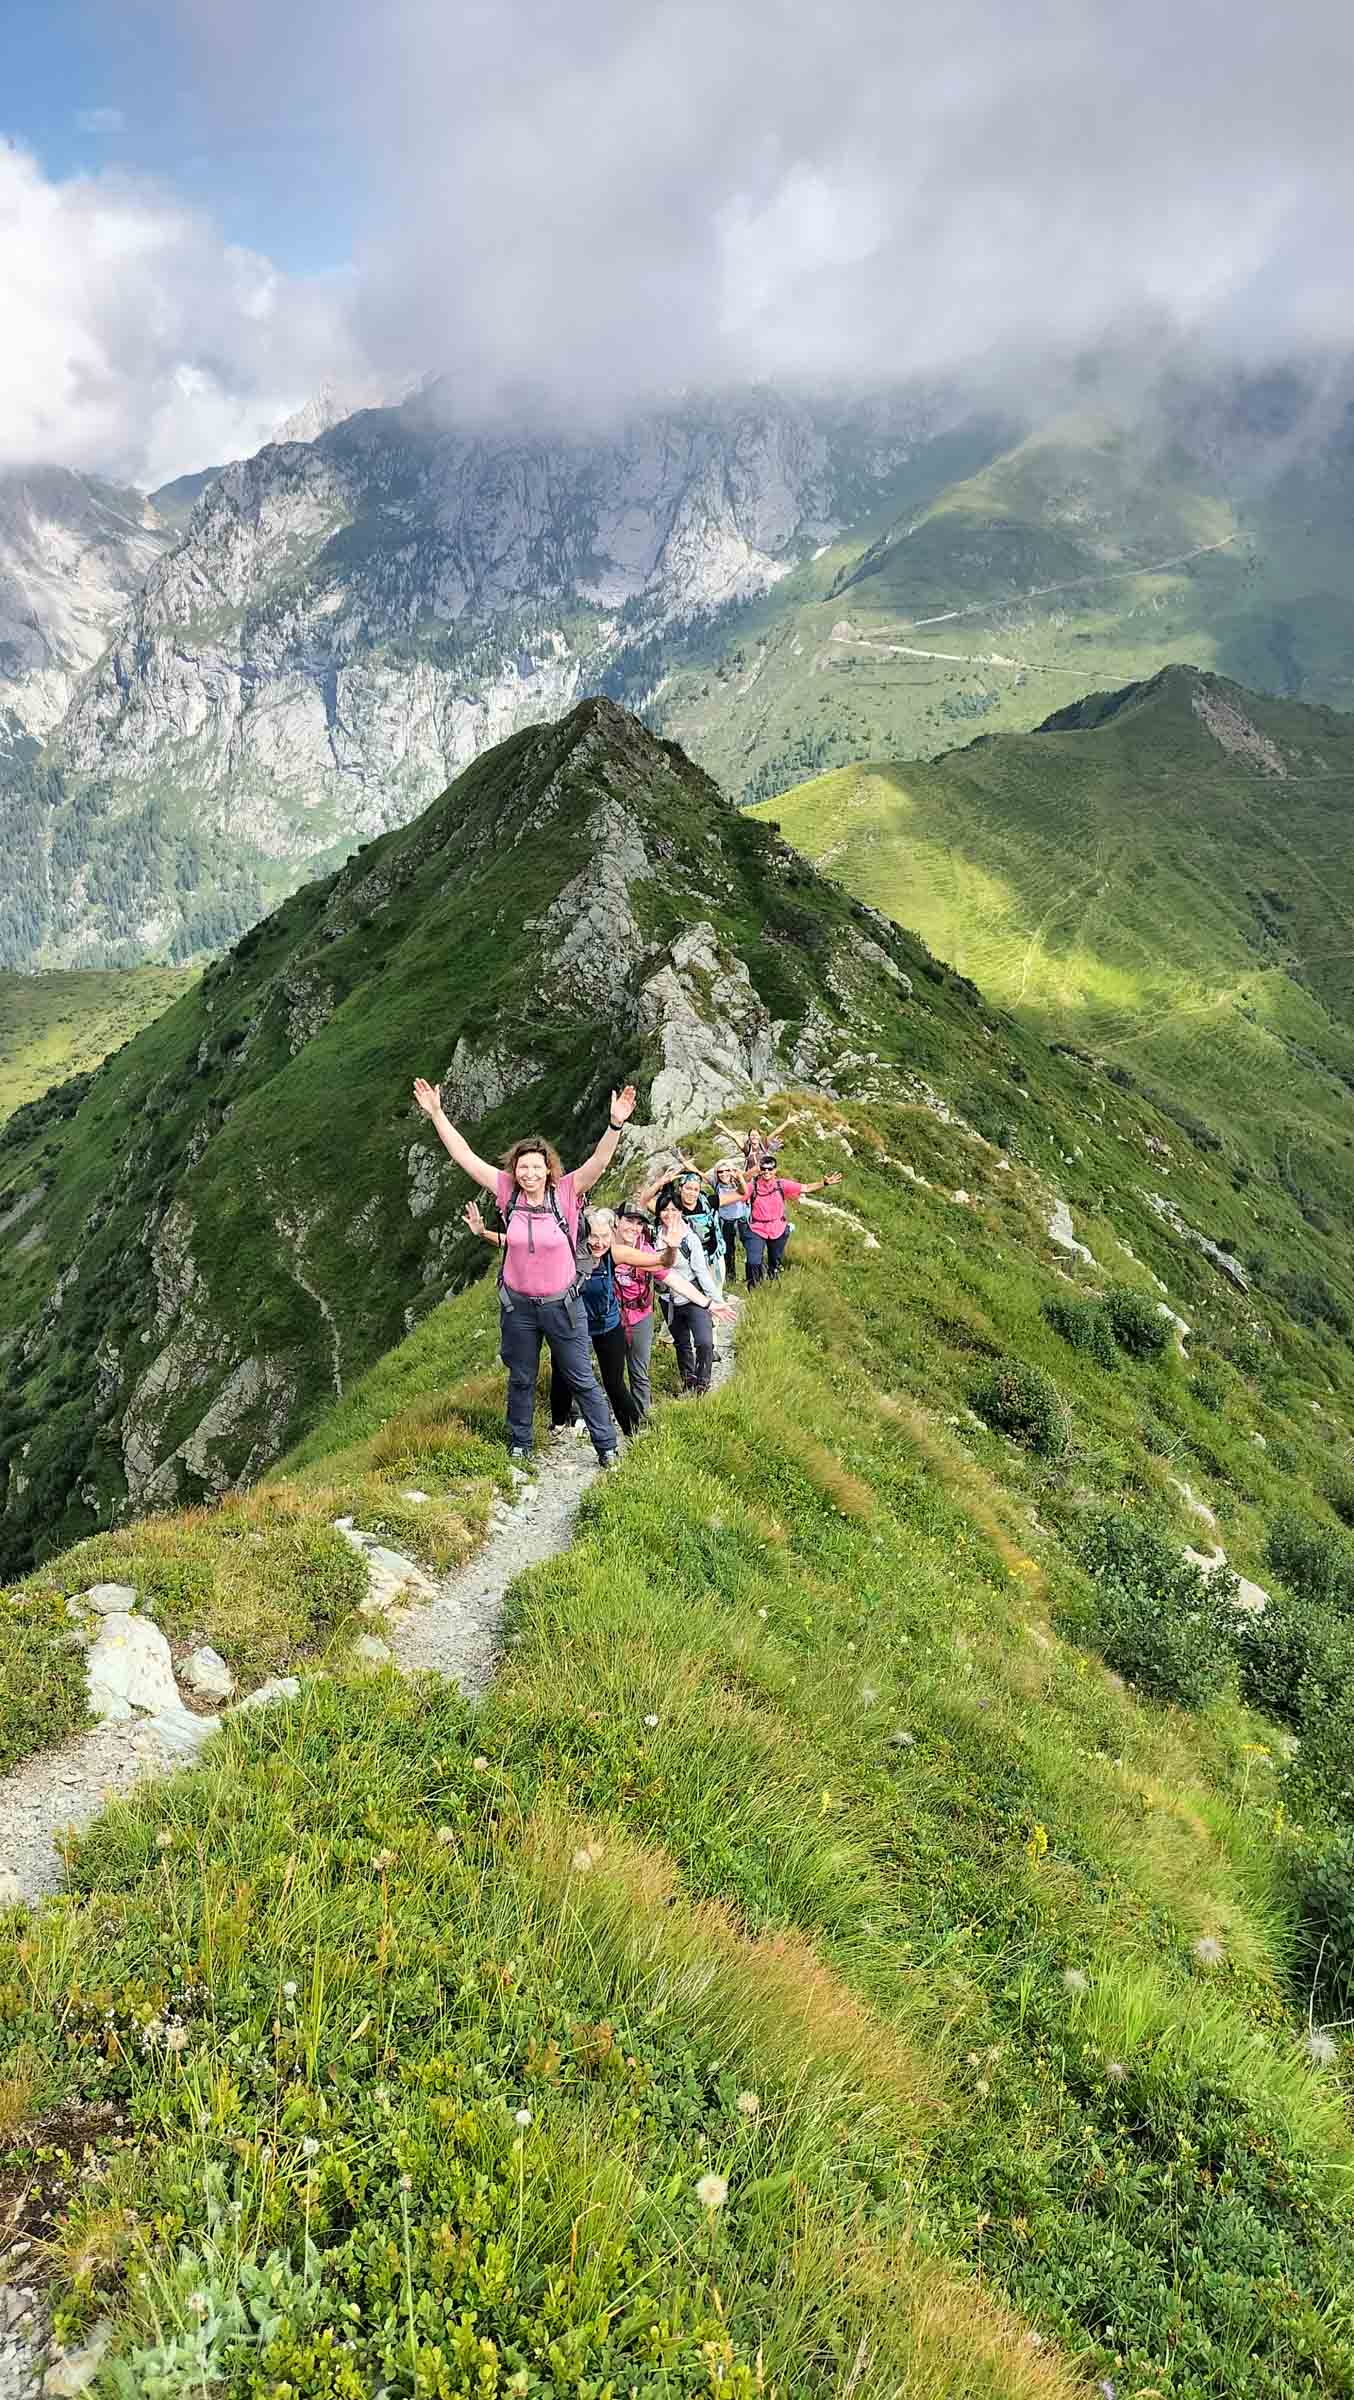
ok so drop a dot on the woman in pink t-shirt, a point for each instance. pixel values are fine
(767, 1231)
(539, 1283)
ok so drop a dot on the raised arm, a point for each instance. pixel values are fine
(471, 1215)
(821, 1185)
(429, 1098)
(622, 1107)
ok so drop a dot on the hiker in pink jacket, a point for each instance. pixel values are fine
(767, 1229)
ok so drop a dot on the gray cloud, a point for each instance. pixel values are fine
(589, 205)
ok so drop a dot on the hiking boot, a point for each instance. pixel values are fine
(518, 1457)
(609, 1461)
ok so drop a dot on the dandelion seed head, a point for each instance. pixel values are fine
(1075, 1982)
(1320, 2049)
(762, 1614)
(383, 1860)
(1208, 1950)
(868, 1695)
(176, 2038)
(712, 2191)
(1116, 2071)
(480, 1765)
(651, 1722)
(198, 2303)
(748, 2104)
(289, 1991)
(309, 2147)
(164, 1839)
(522, 2117)
(581, 1862)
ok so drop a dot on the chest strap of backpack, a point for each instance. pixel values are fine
(556, 1212)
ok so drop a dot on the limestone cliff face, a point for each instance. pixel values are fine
(350, 619)
(73, 552)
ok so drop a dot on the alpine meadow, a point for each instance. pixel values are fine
(676, 1202)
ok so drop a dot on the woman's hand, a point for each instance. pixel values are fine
(472, 1216)
(827, 1179)
(428, 1096)
(623, 1105)
(724, 1310)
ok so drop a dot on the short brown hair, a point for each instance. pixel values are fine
(549, 1153)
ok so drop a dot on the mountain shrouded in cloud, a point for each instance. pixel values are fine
(581, 210)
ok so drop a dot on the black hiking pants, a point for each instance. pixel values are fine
(609, 1351)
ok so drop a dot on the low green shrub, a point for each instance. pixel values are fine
(1310, 1301)
(1084, 1325)
(1208, 1388)
(1340, 1494)
(1138, 1326)
(1325, 1947)
(1280, 1653)
(1023, 1402)
(1158, 1620)
(1314, 1561)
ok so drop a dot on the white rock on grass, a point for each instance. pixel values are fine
(391, 1578)
(418, 1498)
(110, 1599)
(278, 1687)
(1194, 1504)
(75, 2370)
(129, 1668)
(371, 1653)
(207, 1674)
(11, 1890)
(1060, 1231)
(1251, 1598)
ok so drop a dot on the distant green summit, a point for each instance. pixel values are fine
(1162, 875)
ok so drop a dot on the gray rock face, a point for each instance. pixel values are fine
(73, 553)
(717, 1040)
(348, 620)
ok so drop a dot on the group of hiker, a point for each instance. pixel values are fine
(584, 1281)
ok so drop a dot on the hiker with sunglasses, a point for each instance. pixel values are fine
(767, 1229)
(540, 1279)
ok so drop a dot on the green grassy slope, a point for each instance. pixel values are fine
(246, 1207)
(1132, 884)
(58, 1025)
(821, 1835)
(1003, 576)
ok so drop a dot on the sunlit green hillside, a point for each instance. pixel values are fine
(57, 1025)
(1165, 878)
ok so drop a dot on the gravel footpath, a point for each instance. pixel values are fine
(57, 1790)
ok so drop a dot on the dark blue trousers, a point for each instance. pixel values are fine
(563, 1326)
(764, 1256)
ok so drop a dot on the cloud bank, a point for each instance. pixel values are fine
(138, 342)
(590, 205)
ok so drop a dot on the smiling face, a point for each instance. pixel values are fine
(689, 1190)
(629, 1227)
(673, 1222)
(532, 1174)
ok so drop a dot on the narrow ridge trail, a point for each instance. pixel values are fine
(454, 1632)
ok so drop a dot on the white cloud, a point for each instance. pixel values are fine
(137, 341)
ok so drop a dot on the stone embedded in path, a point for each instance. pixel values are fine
(391, 1578)
(129, 1667)
(207, 1674)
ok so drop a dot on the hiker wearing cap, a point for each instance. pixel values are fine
(692, 1328)
(604, 1258)
(639, 1267)
(731, 1195)
(539, 1280)
(767, 1230)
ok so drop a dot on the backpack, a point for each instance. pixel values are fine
(558, 1215)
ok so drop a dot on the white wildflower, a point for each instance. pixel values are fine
(651, 1722)
(176, 2038)
(762, 1614)
(748, 2104)
(445, 1836)
(522, 2117)
(164, 1839)
(289, 1991)
(1208, 1951)
(383, 1860)
(712, 2191)
(581, 1862)
(310, 2147)
(1116, 2071)
(480, 1765)
(1075, 1982)
(199, 2304)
